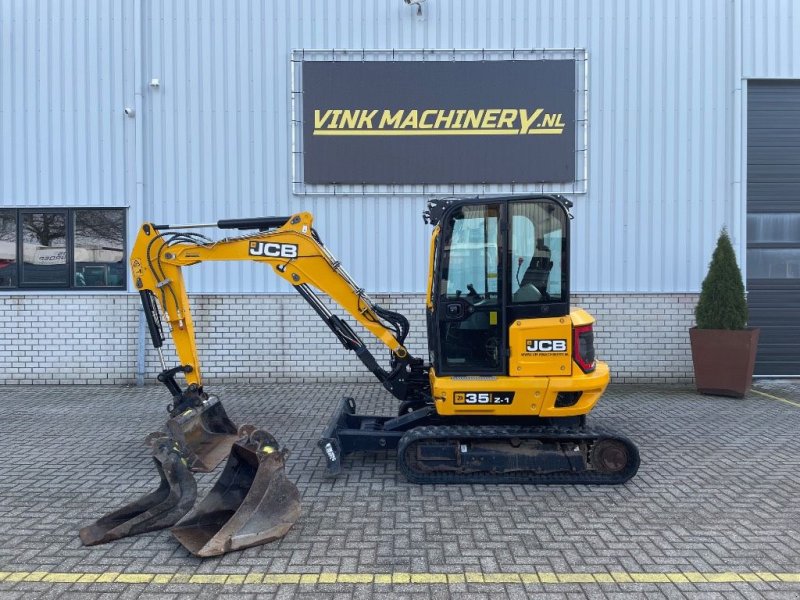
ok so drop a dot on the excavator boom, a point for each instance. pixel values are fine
(296, 254)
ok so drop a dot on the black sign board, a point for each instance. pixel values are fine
(465, 122)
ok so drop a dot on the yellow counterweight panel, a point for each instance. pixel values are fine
(580, 317)
(517, 396)
(540, 347)
(591, 385)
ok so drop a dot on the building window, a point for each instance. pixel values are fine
(8, 249)
(69, 249)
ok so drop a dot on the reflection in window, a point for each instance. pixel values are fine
(62, 248)
(773, 263)
(8, 248)
(99, 248)
(472, 257)
(44, 249)
(773, 228)
(537, 247)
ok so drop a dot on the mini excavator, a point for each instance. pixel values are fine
(503, 397)
(511, 373)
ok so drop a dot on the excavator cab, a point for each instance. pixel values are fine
(497, 261)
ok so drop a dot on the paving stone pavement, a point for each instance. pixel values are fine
(716, 496)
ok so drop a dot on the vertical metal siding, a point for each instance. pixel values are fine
(770, 32)
(62, 78)
(214, 140)
(659, 121)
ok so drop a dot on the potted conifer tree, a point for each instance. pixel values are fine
(723, 347)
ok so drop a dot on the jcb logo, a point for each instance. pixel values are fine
(273, 250)
(546, 345)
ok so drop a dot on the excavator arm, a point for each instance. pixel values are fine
(295, 252)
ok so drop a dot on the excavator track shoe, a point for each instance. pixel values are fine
(252, 503)
(206, 432)
(512, 454)
(175, 496)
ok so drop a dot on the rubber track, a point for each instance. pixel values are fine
(468, 433)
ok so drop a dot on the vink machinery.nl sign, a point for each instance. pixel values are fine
(466, 122)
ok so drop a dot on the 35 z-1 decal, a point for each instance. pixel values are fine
(483, 397)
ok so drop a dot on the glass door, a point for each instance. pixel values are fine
(469, 303)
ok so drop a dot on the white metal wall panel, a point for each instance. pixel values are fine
(770, 31)
(213, 140)
(62, 94)
(661, 128)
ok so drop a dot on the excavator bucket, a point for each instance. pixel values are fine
(174, 497)
(252, 503)
(206, 432)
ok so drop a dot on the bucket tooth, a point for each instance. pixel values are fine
(252, 503)
(162, 508)
(206, 432)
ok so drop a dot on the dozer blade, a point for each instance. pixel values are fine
(163, 508)
(252, 502)
(206, 432)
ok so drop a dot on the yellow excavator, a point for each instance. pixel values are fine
(501, 397)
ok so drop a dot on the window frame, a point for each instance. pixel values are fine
(15, 215)
(69, 213)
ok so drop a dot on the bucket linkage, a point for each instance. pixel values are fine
(205, 431)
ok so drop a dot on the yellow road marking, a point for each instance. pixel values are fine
(428, 578)
(722, 577)
(650, 577)
(61, 577)
(354, 578)
(778, 398)
(576, 578)
(501, 578)
(137, 578)
(398, 578)
(207, 579)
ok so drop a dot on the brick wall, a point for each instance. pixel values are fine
(86, 338)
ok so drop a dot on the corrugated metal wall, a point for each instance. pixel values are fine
(214, 139)
(64, 79)
(770, 31)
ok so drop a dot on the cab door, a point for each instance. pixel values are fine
(469, 293)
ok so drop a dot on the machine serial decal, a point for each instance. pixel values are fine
(273, 250)
(483, 397)
(546, 346)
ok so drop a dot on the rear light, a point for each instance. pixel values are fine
(583, 347)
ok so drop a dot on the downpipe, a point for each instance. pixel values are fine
(140, 368)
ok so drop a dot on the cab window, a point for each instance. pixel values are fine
(472, 257)
(537, 251)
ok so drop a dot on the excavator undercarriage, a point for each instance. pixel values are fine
(431, 449)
